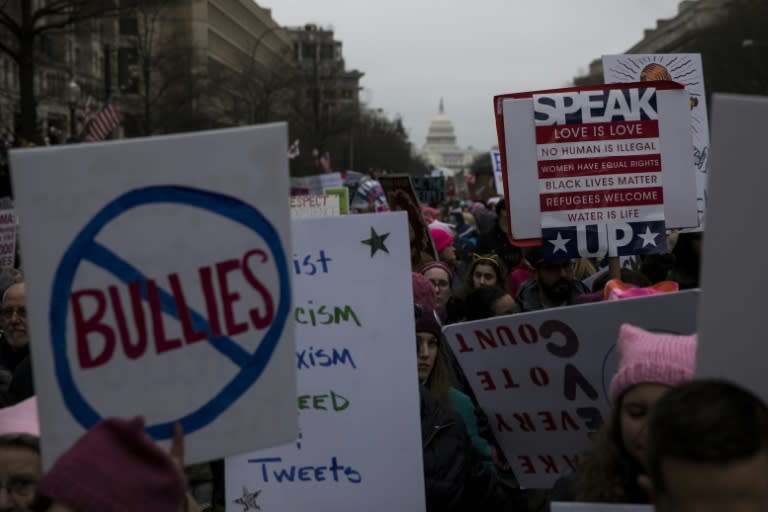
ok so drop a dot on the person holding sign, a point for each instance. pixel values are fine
(650, 365)
(708, 450)
(553, 286)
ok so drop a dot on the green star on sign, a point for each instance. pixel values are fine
(376, 242)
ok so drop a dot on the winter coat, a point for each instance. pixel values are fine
(462, 404)
(454, 477)
(528, 298)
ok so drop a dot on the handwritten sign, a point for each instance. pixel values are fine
(164, 289)
(430, 190)
(685, 68)
(498, 176)
(543, 377)
(587, 154)
(599, 166)
(402, 197)
(732, 327)
(314, 206)
(7, 238)
(314, 185)
(358, 449)
(556, 506)
(343, 194)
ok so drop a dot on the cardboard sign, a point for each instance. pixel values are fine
(498, 175)
(7, 238)
(354, 430)
(559, 506)
(401, 197)
(343, 193)
(516, 119)
(315, 184)
(543, 377)
(686, 69)
(314, 206)
(430, 190)
(732, 327)
(600, 189)
(163, 290)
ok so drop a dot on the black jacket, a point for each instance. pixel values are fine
(455, 479)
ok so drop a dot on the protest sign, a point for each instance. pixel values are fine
(498, 176)
(359, 446)
(7, 238)
(158, 284)
(686, 69)
(599, 171)
(343, 193)
(429, 190)
(314, 206)
(594, 164)
(732, 331)
(481, 188)
(559, 506)
(543, 377)
(401, 197)
(314, 185)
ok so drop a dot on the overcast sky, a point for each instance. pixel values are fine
(413, 52)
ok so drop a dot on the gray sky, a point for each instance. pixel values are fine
(413, 52)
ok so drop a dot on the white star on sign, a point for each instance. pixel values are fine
(559, 243)
(649, 237)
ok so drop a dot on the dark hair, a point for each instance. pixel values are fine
(479, 303)
(705, 421)
(501, 204)
(23, 440)
(607, 473)
(494, 261)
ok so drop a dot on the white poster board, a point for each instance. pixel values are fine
(158, 284)
(358, 393)
(518, 134)
(315, 184)
(7, 238)
(543, 377)
(685, 68)
(498, 175)
(732, 328)
(315, 206)
(559, 506)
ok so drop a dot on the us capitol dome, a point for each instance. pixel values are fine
(441, 150)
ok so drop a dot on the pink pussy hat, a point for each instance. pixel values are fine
(114, 467)
(441, 238)
(652, 358)
(20, 418)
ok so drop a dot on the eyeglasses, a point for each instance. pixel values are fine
(566, 266)
(20, 487)
(439, 283)
(7, 313)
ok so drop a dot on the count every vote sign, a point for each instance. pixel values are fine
(159, 285)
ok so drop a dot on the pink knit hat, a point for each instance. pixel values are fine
(20, 418)
(423, 291)
(437, 264)
(115, 467)
(648, 357)
(441, 238)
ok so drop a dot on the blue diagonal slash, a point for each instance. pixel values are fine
(85, 248)
(127, 273)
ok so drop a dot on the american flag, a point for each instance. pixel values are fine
(102, 124)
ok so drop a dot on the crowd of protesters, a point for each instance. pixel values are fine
(682, 444)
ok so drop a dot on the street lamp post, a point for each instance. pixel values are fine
(73, 98)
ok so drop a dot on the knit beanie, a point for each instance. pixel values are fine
(649, 357)
(423, 291)
(428, 322)
(115, 467)
(438, 264)
(20, 418)
(441, 238)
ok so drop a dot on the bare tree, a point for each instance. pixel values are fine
(22, 25)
